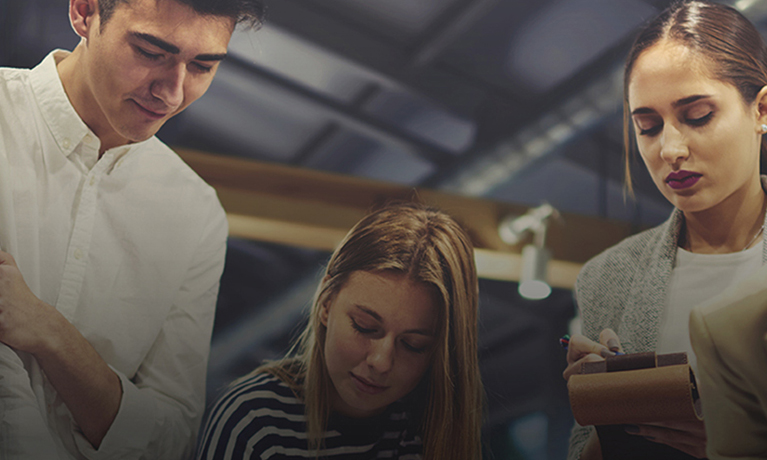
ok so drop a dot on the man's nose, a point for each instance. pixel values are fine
(169, 86)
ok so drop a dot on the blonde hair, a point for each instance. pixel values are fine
(430, 247)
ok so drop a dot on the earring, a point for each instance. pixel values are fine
(763, 129)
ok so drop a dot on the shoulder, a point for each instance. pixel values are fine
(11, 75)
(249, 412)
(257, 392)
(623, 259)
(158, 168)
(609, 282)
(165, 161)
(15, 92)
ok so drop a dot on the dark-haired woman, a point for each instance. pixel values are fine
(695, 104)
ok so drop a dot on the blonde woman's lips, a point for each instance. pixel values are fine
(365, 386)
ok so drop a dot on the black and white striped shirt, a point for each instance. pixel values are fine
(261, 418)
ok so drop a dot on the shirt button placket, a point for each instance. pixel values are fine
(77, 260)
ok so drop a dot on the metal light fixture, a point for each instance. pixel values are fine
(535, 256)
(532, 281)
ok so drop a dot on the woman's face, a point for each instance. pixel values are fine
(697, 137)
(381, 331)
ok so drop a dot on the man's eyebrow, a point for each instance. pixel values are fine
(158, 42)
(173, 49)
(210, 57)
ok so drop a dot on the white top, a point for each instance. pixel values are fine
(130, 249)
(696, 279)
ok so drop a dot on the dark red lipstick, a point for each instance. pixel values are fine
(682, 179)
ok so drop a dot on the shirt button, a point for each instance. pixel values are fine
(66, 143)
(78, 253)
(93, 180)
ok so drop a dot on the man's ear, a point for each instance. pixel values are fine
(82, 14)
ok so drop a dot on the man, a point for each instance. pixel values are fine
(111, 248)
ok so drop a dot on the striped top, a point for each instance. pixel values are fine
(261, 418)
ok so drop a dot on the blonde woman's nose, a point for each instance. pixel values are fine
(381, 355)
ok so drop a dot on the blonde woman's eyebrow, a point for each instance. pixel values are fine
(378, 318)
(369, 312)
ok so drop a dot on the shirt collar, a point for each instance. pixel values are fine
(67, 127)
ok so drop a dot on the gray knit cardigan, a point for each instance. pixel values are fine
(624, 288)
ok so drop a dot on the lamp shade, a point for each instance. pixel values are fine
(532, 281)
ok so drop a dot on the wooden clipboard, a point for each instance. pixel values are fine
(633, 389)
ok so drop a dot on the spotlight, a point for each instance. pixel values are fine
(535, 257)
(532, 282)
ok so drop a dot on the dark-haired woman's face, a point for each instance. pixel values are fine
(379, 341)
(698, 139)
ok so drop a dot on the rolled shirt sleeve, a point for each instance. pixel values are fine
(163, 403)
(24, 433)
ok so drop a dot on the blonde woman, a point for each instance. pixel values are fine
(387, 365)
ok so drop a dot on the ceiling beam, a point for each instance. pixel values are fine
(438, 38)
(312, 209)
(393, 63)
(354, 118)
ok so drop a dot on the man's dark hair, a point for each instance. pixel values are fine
(249, 12)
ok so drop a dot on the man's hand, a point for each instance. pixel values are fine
(86, 384)
(26, 322)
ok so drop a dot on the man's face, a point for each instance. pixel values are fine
(146, 64)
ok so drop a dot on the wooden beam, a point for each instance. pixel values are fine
(312, 209)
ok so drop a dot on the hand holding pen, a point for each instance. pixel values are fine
(580, 349)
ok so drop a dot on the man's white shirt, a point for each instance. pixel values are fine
(130, 248)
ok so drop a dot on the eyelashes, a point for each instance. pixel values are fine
(695, 122)
(369, 331)
(650, 131)
(702, 120)
(146, 54)
(360, 329)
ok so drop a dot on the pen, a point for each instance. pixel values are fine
(565, 342)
